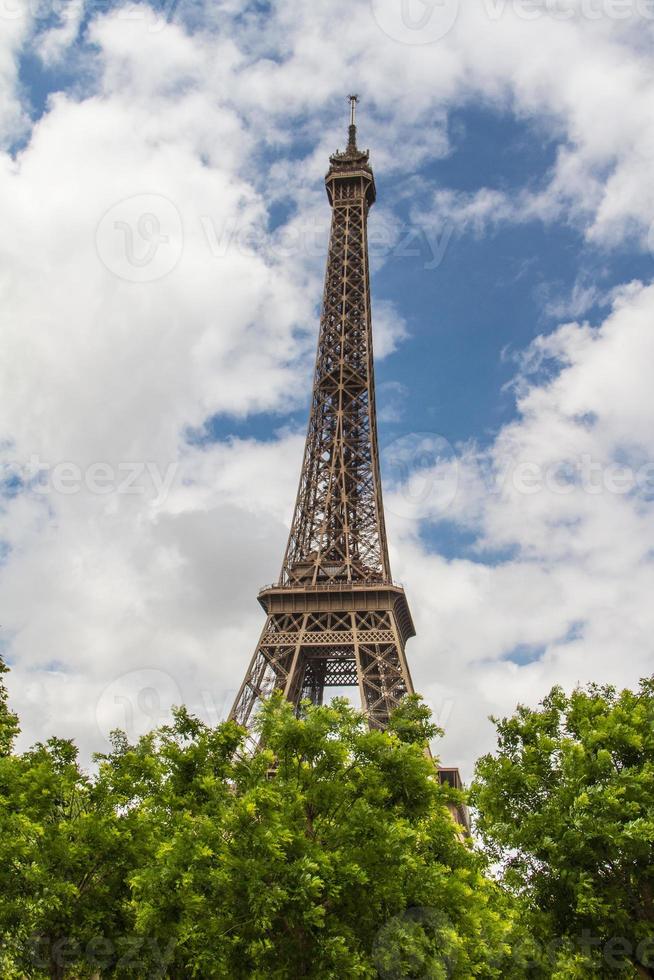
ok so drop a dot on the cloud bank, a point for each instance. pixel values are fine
(162, 264)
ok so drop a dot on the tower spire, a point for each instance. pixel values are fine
(352, 132)
(335, 618)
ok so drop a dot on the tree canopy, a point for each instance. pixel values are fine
(331, 852)
(566, 807)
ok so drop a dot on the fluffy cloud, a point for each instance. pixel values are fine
(16, 25)
(585, 81)
(105, 371)
(147, 288)
(54, 42)
(561, 512)
(146, 295)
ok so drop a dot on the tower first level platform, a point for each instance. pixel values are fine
(331, 636)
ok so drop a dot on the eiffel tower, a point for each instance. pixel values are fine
(335, 618)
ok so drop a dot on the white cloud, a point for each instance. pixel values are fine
(585, 82)
(55, 41)
(103, 369)
(565, 497)
(582, 298)
(15, 27)
(99, 369)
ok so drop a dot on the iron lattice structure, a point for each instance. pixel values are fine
(335, 618)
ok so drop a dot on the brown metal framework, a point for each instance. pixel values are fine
(335, 619)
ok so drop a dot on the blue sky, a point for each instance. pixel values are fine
(489, 295)
(160, 337)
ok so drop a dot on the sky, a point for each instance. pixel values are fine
(164, 237)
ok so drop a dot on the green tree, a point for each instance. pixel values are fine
(177, 783)
(65, 853)
(9, 726)
(331, 853)
(566, 807)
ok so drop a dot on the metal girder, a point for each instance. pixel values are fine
(338, 532)
(303, 662)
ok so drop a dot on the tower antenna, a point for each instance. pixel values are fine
(352, 135)
(353, 99)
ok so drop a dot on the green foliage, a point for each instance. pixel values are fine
(411, 722)
(9, 727)
(294, 861)
(331, 852)
(566, 806)
(65, 855)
